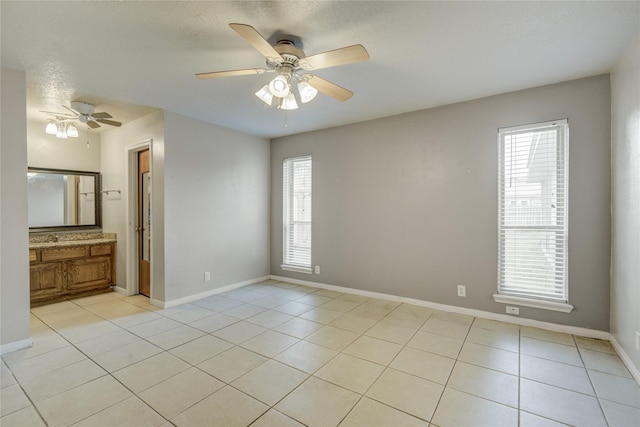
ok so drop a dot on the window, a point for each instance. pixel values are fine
(296, 214)
(532, 210)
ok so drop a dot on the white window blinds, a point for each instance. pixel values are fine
(296, 197)
(532, 224)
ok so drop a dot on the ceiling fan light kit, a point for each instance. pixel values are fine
(292, 66)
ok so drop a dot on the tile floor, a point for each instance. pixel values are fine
(278, 354)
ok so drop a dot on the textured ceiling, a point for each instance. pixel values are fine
(132, 57)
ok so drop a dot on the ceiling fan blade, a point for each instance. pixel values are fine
(332, 58)
(92, 124)
(232, 73)
(250, 34)
(108, 122)
(72, 110)
(101, 116)
(331, 89)
(59, 114)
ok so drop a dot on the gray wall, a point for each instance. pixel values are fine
(216, 206)
(625, 153)
(407, 205)
(14, 241)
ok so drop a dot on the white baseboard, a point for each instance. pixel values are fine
(120, 290)
(195, 297)
(574, 330)
(626, 359)
(15, 346)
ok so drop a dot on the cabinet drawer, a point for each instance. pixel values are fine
(54, 254)
(100, 250)
(33, 256)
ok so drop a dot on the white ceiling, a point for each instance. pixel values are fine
(129, 58)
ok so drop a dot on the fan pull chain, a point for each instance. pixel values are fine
(87, 136)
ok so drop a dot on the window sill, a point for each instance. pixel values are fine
(297, 269)
(528, 302)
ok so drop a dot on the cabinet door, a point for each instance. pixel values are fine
(89, 273)
(46, 279)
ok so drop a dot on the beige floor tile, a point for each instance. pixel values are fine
(595, 344)
(486, 383)
(293, 308)
(186, 313)
(47, 362)
(408, 393)
(604, 362)
(270, 382)
(12, 399)
(373, 350)
(200, 349)
(149, 372)
(50, 308)
(530, 420)
(137, 318)
(141, 301)
(269, 343)
(232, 364)
(239, 332)
(476, 412)
(131, 411)
(353, 323)
(126, 355)
(350, 372)
(446, 328)
(382, 304)
(58, 317)
(371, 311)
(328, 293)
(353, 298)
(60, 380)
(321, 315)
(273, 418)
(299, 328)
(438, 344)
(76, 333)
(154, 327)
(391, 333)
(269, 319)
(217, 303)
(83, 401)
(497, 339)
(426, 365)
(490, 357)
(306, 356)
(6, 377)
(454, 317)
(369, 413)
(241, 295)
(550, 350)
(227, 407)
(555, 373)
(25, 417)
(108, 342)
(270, 302)
(340, 305)
(561, 405)
(545, 335)
(496, 326)
(333, 338)
(42, 343)
(175, 337)
(618, 415)
(616, 389)
(416, 310)
(213, 322)
(406, 320)
(313, 299)
(245, 311)
(178, 393)
(318, 403)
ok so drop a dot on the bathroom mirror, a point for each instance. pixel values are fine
(62, 200)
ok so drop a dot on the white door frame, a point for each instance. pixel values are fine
(131, 251)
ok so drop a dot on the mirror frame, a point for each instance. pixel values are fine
(98, 201)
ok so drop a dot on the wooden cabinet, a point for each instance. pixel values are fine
(61, 273)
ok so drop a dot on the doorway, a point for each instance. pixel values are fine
(143, 230)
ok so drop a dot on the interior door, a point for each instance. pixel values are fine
(144, 224)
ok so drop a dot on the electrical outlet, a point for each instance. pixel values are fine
(462, 291)
(207, 276)
(637, 341)
(317, 271)
(513, 310)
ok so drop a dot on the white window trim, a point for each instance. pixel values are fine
(297, 269)
(530, 302)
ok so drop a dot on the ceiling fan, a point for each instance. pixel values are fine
(291, 64)
(85, 113)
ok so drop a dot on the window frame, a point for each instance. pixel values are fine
(562, 170)
(289, 254)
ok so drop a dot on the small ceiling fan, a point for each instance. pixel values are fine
(291, 64)
(85, 113)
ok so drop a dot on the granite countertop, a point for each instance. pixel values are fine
(67, 243)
